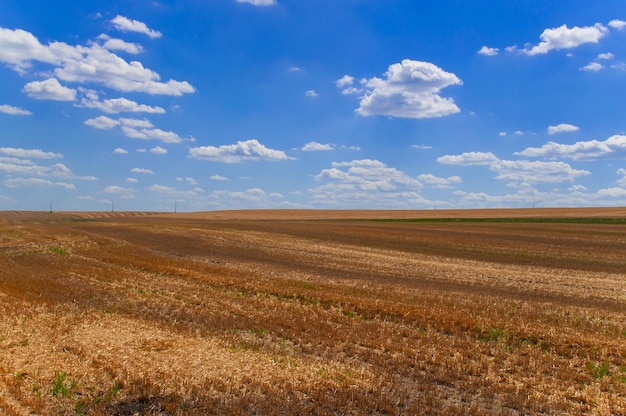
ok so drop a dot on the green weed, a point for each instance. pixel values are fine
(59, 385)
(58, 250)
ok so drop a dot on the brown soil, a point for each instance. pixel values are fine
(312, 312)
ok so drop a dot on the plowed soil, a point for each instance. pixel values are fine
(298, 312)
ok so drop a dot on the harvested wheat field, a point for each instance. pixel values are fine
(503, 312)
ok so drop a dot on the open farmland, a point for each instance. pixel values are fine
(314, 312)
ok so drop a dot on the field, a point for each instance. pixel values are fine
(503, 312)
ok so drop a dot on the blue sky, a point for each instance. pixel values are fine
(231, 104)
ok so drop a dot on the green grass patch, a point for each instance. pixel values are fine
(590, 220)
(58, 250)
(59, 387)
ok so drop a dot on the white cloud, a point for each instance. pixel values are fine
(142, 170)
(19, 47)
(119, 105)
(344, 81)
(316, 147)
(469, 159)
(613, 147)
(49, 89)
(622, 180)
(592, 67)
(188, 180)
(170, 192)
(120, 45)
(367, 183)
(14, 111)
(487, 51)
(239, 152)
(136, 129)
(120, 151)
(29, 153)
(158, 150)
(563, 37)
(409, 89)
(502, 134)
(21, 182)
(525, 171)
(84, 64)
(367, 174)
(259, 2)
(131, 180)
(421, 146)
(606, 56)
(135, 122)
(562, 128)
(437, 182)
(102, 123)
(517, 172)
(25, 167)
(150, 134)
(310, 93)
(125, 24)
(617, 24)
(218, 178)
(250, 198)
(123, 193)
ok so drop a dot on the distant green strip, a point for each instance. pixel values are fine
(509, 220)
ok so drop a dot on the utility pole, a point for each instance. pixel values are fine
(50, 207)
(112, 206)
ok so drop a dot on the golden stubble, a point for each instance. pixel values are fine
(157, 314)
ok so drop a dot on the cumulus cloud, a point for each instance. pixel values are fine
(218, 178)
(125, 24)
(102, 123)
(606, 56)
(311, 93)
(234, 153)
(135, 129)
(469, 159)
(259, 2)
(142, 170)
(562, 128)
(317, 147)
(158, 150)
(367, 175)
(24, 167)
(563, 37)
(409, 89)
(152, 134)
(118, 105)
(113, 44)
(437, 182)
(49, 89)
(613, 147)
(617, 24)
(187, 179)
(367, 182)
(120, 151)
(120, 191)
(29, 153)
(14, 111)
(592, 67)
(83, 64)
(171, 192)
(344, 81)
(487, 51)
(516, 172)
